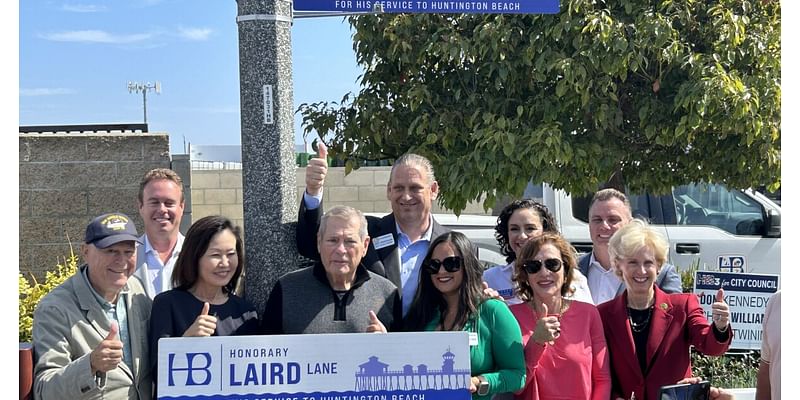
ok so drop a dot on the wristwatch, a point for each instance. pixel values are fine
(483, 386)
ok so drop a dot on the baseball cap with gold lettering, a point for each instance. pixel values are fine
(110, 229)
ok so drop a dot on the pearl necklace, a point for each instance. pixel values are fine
(639, 327)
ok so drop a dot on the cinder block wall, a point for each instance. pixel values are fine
(67, 179)
(220, 192)
(217, 192)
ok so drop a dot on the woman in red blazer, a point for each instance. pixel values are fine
(648, 331)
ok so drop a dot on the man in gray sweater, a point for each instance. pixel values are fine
(338, 294)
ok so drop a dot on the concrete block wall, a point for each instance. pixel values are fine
(220, 192)
(217, 192)
(67, 179)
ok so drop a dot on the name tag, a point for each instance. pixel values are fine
(473, 338)
(383, 241)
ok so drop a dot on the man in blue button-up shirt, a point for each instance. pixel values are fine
(400, 239)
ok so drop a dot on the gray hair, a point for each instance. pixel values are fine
(346, 213)
(611, 193)
(414, 160)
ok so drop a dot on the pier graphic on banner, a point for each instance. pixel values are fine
(375, 375)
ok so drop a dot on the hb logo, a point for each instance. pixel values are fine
(197, 364)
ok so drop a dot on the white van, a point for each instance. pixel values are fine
(726, 230)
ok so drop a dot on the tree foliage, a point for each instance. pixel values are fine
(650, 93)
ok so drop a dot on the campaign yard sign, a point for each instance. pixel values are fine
(431, 6)
(355, 366)
(746, 295)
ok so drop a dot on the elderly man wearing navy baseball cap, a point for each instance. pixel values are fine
(89, 333)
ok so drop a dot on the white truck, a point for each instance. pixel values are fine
(726, 230)
(722, 229)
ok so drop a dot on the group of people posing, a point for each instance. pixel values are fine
(612, 324)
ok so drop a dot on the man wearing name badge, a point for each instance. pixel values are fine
(400, 239)
(160, 204)
(609, 211)
(90, 332)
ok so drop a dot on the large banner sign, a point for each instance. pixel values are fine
(746, 295)
(432, 6)
(357, 366)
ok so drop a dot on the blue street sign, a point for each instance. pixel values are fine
(432, 6)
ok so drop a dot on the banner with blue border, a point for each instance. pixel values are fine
(745, 294)
(432, 6)
(357, 366)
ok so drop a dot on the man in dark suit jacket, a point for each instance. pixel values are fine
(609, 211)
(400, 239)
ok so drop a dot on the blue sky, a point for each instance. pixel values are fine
(76, 57)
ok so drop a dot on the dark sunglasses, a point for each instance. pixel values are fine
(451, 264)
(533, 266)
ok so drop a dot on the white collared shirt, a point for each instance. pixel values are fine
(603, 284)
(159, 275)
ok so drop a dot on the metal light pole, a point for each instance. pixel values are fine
(136, 87)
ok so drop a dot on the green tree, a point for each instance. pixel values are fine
(650, 93)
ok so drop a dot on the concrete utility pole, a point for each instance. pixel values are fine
(268, 159)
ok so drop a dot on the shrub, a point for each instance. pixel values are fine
(732, 370)
(687, 276)
(29, 295)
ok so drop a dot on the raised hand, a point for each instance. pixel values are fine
(204, 324)
(375, 325)
(720, 313)
(108, 354)
(316, 170)
(548, 328)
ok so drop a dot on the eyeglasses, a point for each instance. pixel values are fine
(451, 264)
(533, 266)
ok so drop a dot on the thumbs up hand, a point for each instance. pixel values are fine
(720, 313)
(375, 325)
(204, 324)
(548, 328)
(108, 353)
(316, 170)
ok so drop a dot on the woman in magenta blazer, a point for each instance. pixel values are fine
(648, 331)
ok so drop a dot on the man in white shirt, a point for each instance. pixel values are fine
(609, 211)
(161, 205)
